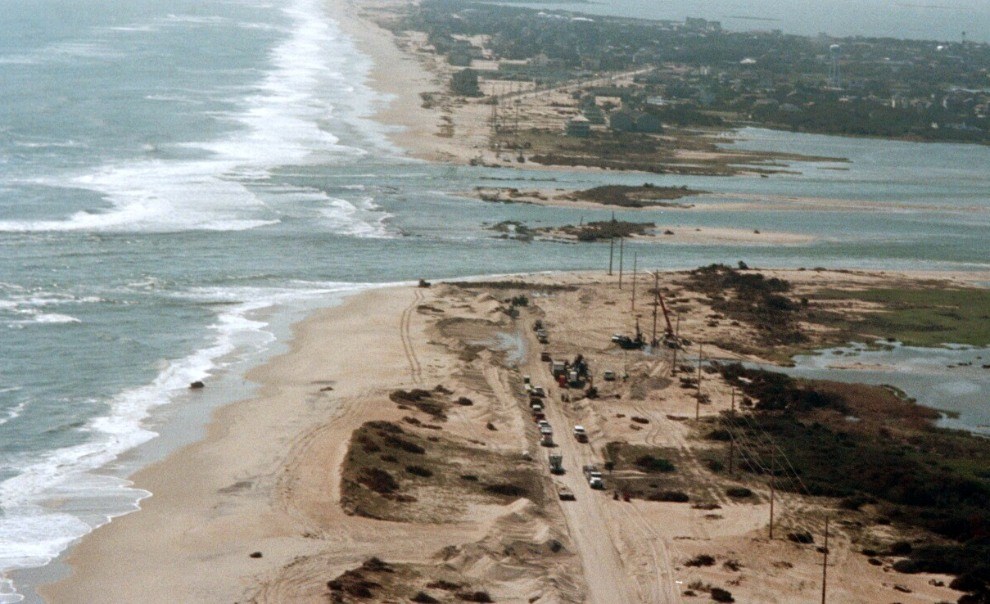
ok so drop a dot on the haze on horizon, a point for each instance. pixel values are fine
(940, 20)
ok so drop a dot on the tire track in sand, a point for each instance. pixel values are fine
(405, 320)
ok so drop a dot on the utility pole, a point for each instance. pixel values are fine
(697, 404)
(611, 251)
(635, 256)
(825, 562)
(732, 440)
(620, 261)
(656, 303)
(773, 460)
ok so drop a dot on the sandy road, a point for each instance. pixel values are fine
(588, 518)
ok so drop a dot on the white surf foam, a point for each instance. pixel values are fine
(280, 123)
(14, 412)
(32, 530)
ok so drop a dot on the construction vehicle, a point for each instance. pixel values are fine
(556, 464)
(627, 343)
(594, 476)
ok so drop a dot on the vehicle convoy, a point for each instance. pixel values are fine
(556, 464)
(594, 476)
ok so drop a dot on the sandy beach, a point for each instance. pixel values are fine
(262, 509)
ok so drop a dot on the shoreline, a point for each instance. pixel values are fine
(237, 443)
(231, 496)
(267, 476)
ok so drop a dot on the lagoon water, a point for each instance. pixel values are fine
(943, 21)
(179, 181)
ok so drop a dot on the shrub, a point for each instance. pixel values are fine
(419, 471)
(475, 596)
(671, 496)
(649, 463)
(405, 445)
(444, 585)
(722, 595)
(377, 480)
(738, 492)
(720, 434)
(801, 537)
(701, 560)
(900, 548)
(508, 490)
(424, 598)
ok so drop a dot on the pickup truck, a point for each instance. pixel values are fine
(594, 476)
(580, 434)
(564, 493)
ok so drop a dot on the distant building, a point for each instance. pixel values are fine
(649, 123)
(578, 127)
(634, 121)
(696, 24)
(621, 121)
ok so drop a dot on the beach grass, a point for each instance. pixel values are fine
(928, 317)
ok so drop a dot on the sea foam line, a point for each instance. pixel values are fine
(33, 532)
(281, 123)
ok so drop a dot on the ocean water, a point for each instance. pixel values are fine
(179, 181)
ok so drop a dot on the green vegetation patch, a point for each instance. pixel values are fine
(649, 473)
(380, 581)
(606, 229)
(647, 195)
(749, 297)
(398, 473)
(931, 316)
(866, 444)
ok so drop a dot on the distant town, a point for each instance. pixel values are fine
(640, 76)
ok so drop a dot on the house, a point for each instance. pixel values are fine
(578, 127)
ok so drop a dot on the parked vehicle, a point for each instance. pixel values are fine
(608, 375)
(564, 493)
(594, 476)
(580, 434)
(556, 464)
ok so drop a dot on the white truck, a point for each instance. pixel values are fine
(594, 476)
(580, 434)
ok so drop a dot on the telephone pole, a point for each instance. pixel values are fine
(620, 261)
(825, 562)
(656, 303)
(697, 403)
(611, 252)
(635, 256)
(773, 463)
(732, 439)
